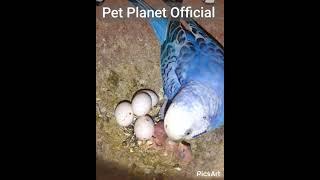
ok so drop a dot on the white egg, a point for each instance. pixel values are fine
(153, 95)
(124, 114)
(141, 104)
(144, 128)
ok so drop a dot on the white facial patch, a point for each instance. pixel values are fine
(190, 112)
(182, 123)
(176, 122)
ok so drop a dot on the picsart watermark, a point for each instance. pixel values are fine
(209, 173)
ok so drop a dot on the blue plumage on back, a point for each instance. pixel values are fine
(192, 55)
(192, 69)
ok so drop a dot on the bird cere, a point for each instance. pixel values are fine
(183, 12)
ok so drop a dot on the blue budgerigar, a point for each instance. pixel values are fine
(192, 69)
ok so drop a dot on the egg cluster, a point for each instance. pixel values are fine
(139, 107)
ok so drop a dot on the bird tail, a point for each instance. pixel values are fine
(159, 25)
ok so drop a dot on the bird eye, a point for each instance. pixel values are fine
(188, 132)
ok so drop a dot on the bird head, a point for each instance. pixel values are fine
(191, 111)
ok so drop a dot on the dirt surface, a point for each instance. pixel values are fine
(127, 59)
